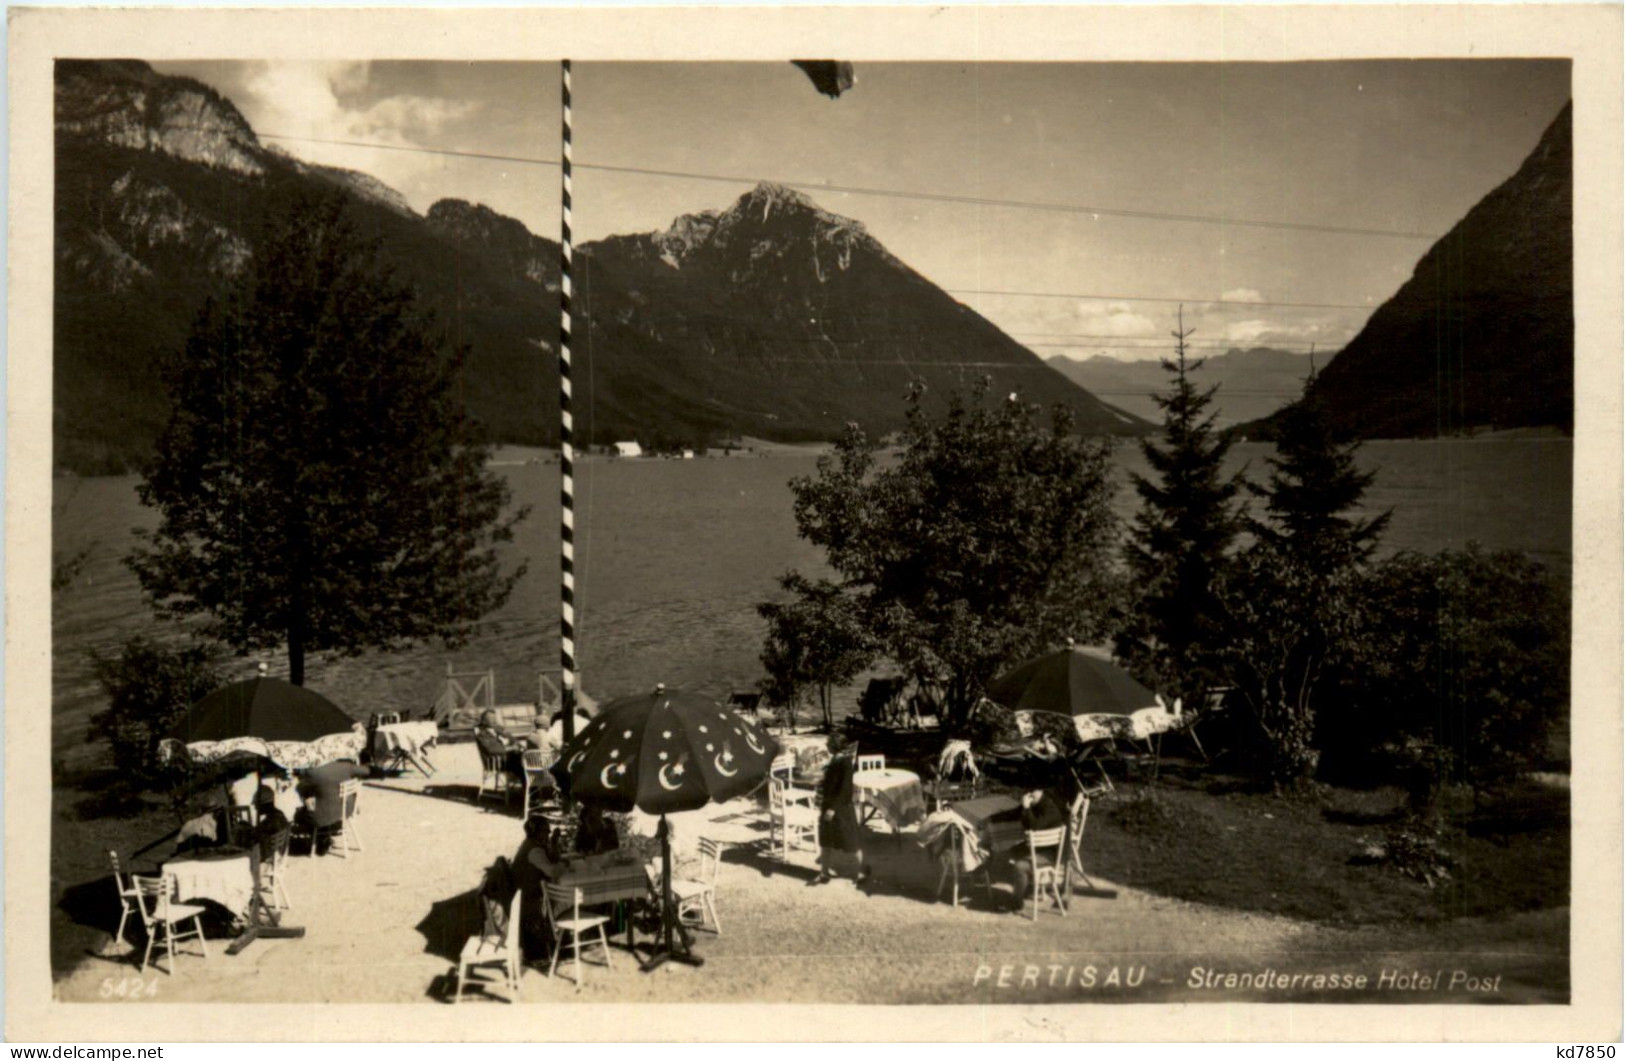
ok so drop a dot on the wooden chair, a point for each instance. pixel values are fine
(388, 718)
(564, 913)
(129, 896)
(1047, 850)
(791, 824)
(165, 918)
(273, 871)
(1076, 820)
(696, 896)
(347, 837)
(870, 762)
(783, 769)
(494, 775)
(537, 781)
(502, 951)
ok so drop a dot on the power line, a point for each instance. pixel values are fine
(891, 193)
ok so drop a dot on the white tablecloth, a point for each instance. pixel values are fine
(227, 881)
(409, 737)
(896, 794)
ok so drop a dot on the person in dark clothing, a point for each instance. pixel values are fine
(271, 821)
(840, 835)
(596, 833)
(538, 860)
(321, 793)
(494, 740)
(1040, 810)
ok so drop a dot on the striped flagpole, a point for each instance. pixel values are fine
(567, 547)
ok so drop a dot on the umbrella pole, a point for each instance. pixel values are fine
(668, 912)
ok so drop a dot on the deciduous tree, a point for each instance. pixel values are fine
(815, 639)
(988, 537)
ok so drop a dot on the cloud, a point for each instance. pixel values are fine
(1242, 294)
(330, 101)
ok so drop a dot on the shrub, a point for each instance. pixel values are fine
(149, 687)
(1463, 669)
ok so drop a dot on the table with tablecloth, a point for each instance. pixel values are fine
(894, 794)
(613, 877)
(226, 878)
(406, 740)
(966, 835)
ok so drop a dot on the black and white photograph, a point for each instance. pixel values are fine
(814, 527)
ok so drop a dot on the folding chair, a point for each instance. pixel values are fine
(1076, 820)
(347, 837)
(1047, 850)
(783, 769)
(696, 896)
(273, 871)
(791, 824)
(501, 951)
(163, 917)
(564, 912)
(129, 896)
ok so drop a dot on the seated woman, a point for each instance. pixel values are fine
(1040, 809)
(537, 860)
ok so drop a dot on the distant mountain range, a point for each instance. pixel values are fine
(772, 318)
(1252, 383)
(1481, 337)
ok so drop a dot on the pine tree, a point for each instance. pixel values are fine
(1313, 483)
(1291, 596)
(1180, 539)
(319, 483)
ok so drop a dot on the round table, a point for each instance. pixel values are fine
(227, 879)
(896, 794)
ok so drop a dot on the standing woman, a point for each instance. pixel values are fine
(840, 837)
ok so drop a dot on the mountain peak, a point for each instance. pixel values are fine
(128, 104)
(767, 196)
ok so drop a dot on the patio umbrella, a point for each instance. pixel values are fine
(1098, 695)
(664, 752)
(285, 723)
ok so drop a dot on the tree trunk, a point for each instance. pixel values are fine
(296, 653)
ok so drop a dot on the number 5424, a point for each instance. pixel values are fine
(129, 987)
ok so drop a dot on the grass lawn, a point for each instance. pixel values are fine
(1212, 839)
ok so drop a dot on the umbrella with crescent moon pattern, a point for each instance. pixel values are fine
(664, 752)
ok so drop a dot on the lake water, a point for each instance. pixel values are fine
(672, 557)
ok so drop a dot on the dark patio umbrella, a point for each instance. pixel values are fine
(285, 723)
(663, 752)
(267, 708)
(1070, 682)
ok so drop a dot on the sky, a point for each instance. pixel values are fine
(1395, 146)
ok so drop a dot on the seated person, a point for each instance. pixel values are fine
(271, 821)
(1040, 810)
(596, 833)
(322, 806)
(537, 860)
(494, 740)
